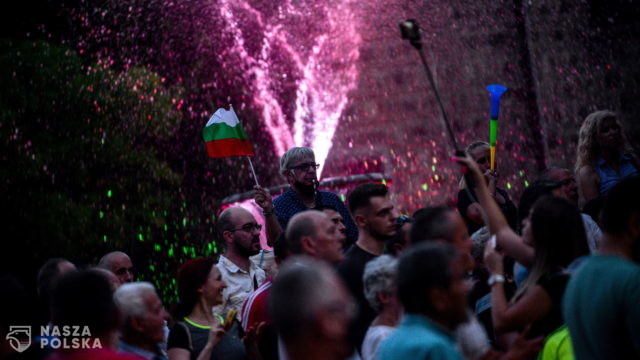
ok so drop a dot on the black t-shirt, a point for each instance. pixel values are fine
(230, 346)
(508, 209)
(351, 271)
(554, 283)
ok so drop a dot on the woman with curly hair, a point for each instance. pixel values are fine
(604, 155)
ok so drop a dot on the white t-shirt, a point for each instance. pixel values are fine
(372, 340)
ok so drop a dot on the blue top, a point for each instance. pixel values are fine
(609, 177)
(417, 337)
(289, 204)
(601, 308)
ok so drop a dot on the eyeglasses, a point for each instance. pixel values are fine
(403, 219)
(247, 228)
(305, 166)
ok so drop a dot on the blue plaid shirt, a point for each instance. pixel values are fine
(289, 204)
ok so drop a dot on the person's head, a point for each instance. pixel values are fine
(441, 223)
(531, 194)
(84, 298)
(111, 277)
(311, 308)
(556, 231)
(298, 166)
(479, 151)
(372, 210)
(118, 263)
(621, 213)
(49, 273)
(312, 233)
(335, 217)
(431, 282)
(142, 312)
(199, 280)
(396, 244)
(600, 129)
(568, 188)
(379, 282)
(239, 231)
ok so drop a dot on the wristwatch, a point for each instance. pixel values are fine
(494, 279)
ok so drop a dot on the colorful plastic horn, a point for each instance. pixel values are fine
(496, 91)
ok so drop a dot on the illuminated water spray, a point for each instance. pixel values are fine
(319, 44)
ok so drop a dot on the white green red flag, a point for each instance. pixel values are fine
(224, 136)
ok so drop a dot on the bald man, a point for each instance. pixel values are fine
(313, 233)
(118, 263)
(240, 234)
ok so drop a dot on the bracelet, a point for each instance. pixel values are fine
(267, 213)
(495, 279)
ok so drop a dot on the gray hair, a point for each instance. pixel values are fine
(379, 277)
(294, 154)
(130, 299)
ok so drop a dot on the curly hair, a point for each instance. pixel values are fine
(588, 148)
(379, 277)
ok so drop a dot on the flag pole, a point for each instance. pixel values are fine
(253, 171)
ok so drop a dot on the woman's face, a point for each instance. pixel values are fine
(482, 156)
(609, 133)
(213, 287)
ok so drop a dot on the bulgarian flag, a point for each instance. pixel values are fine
(224, 135)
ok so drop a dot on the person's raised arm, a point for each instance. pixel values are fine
(263, 199)
(508, 240)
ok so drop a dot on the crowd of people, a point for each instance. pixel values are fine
(555, 275)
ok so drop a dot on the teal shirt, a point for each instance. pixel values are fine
(601, 307)
(417, 337)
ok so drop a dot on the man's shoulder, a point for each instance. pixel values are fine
(226, 266)
(329, 195)
(355, 254)
(354, 260)
(287, 195)
(405, 343)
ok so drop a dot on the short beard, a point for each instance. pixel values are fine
(246, 252)
(308, 190)
(378, 235)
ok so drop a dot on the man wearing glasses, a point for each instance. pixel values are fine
(298, 165)
(240, 234)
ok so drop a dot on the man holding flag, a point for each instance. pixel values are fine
(298, 165)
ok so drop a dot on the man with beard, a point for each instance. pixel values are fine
(375, 216)
(298, 165)
(240, 234)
